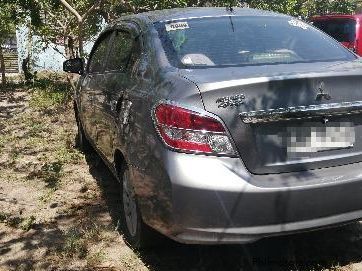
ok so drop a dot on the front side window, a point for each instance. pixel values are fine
(246, 40)
(99, 55)
(120, 52)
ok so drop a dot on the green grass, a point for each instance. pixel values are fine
(4, 217)
(68, 156)
(36, 128)
(17, 222)
(50, 90)
(74, 244)
(51, 174)
(78, 239)
(27, 223)
(96, 258)
(47, 196)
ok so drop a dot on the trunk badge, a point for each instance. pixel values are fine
(230, 101)
(322, 93)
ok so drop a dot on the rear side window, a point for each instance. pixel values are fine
(120, 51)
(246, 40)
(343, 30)
(99, 54)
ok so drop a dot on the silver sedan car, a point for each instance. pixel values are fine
(223, 125)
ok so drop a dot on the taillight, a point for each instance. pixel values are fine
(189, 131)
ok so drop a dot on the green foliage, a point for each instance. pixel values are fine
(22, 10)
(47, 196)
(303, 8)
(68, 155)
(61, 26)
(74, 244)
(112, 9)
(17, 222)
(4, 216)
(54, 23)
(343, 6)
(50, 97)
(27, 223)
(15, 12)
(50, 91)
(51, 174)
(7, 25)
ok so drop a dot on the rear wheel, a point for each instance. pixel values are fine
(136, 233)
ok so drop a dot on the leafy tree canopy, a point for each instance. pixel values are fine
(54, 22)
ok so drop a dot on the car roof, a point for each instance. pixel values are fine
(195, 12)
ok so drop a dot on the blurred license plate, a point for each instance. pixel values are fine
(316, 138)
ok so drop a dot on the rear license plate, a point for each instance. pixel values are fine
(316, 138)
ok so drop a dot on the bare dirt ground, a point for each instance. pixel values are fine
(59, 207)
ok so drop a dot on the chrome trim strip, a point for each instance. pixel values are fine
(302, 112)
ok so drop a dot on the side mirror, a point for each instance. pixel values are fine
(75, 65)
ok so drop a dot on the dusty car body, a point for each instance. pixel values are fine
(211, 151)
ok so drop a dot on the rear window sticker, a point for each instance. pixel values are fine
(176, 26)
(298, 23)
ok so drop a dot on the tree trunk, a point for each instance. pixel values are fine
(80, 39)
(67, 49)
(2, 67)
(81, 20)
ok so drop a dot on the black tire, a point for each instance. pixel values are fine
(142, 236)
(81, 141)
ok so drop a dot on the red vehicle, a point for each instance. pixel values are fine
(344, 28)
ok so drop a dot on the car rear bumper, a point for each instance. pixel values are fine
(251, 234)
(215, 200)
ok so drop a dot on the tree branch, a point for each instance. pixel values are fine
(130, 7)
(55, 18)
(92, 8)
(57, 50)
(72, 10)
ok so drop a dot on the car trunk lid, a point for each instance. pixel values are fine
(289, 117)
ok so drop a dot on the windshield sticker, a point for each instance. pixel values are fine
(298, 23)
(176, 26)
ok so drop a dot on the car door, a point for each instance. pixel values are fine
(93, 83)
(117, 81)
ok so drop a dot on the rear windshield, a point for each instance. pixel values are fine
(343, 30)
(242, 40)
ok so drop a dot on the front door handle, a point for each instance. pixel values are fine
(124, 113)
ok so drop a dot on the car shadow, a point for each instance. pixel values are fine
(317, 250)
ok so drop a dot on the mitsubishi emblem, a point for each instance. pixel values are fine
(325, 120)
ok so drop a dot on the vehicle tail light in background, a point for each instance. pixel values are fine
(189, 131)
